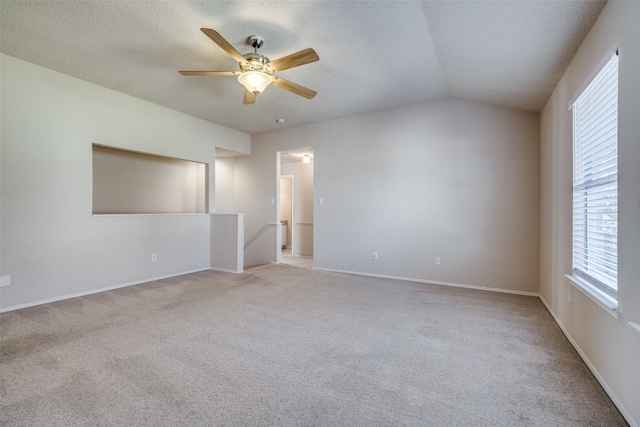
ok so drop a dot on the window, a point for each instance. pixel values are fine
(595, 184)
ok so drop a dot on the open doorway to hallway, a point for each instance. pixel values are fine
(296, 207)
(287, 214)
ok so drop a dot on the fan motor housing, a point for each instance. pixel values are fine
(256, 61)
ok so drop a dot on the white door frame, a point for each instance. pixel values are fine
(293, 208)
(293, 205)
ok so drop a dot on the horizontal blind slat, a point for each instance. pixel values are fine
(595, 176)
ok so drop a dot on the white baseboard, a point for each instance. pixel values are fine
(431, 282)
(584, 357)
(592, 368)
(95, 291)
(226, 270)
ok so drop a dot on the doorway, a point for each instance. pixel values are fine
(295, 182)
(287, 213)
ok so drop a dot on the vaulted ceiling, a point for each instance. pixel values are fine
(373, 54)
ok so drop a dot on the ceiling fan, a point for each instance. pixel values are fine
(256, 70)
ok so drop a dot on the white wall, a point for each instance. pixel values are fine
(611, 347)
(224, 185)
(227, 242)
(51, 244)
(303, 200)
(446, 178)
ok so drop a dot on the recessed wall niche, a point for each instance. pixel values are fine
(128, 182)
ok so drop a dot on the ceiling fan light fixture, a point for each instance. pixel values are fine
(256, 70)
(255, 81)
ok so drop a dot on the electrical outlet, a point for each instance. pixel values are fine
(375, 255)
(438, 260)
(5, 281)
(154, 257)
(405, 257)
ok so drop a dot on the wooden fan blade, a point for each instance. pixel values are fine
(208, 73)
(225, 45)
(249, 97)
(294, 60)
(293, 87)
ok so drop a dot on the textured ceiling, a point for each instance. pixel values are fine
(373, 54)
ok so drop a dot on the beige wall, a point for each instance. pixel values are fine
(131, 182)
(610, 347)
(286, 208)
(51, 244)
(446, 178)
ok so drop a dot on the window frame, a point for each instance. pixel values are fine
(586, 215)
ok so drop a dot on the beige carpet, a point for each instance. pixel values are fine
(280, 345)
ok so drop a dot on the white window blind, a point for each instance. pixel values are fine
(595, 181)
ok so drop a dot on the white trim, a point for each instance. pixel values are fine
(431, 282)
(226, 270)
(603, 62)
(95, 291)
(592, 368)
(293, 212)
(635, 325)
(153, 214)
(609, 304)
